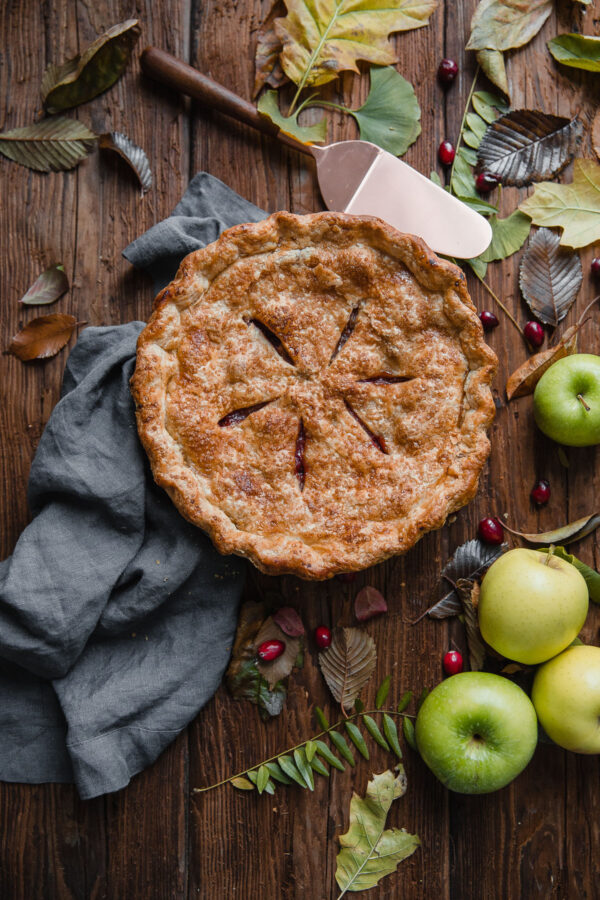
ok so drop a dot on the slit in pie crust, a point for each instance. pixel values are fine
(314, 392)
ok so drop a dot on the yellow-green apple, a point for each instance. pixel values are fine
(566, 695)
(532, 605)
(476, 731)
(566, 400)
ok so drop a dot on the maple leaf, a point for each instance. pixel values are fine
(573, 207)
(322, 39)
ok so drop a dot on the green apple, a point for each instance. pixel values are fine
(532, 605)
(476, 732)
(566, 400)
(566, 695)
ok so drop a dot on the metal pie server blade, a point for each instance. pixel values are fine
(360, 178)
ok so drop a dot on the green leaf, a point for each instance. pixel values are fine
(341, 746)
(492, 64)
(391, 733)
(480, 206)
(592, 578)
(262, 779)
(390, 116)
(47, 287)
(276, 773)
(408, 729)
(505, 24)
(369, 850)
(477, 126)
(304, 768)
(382, 691)
(463, 183)
(433, 176)
(357, 739)
(404, 700)
(324, 751)
(318, 766)
(508, 236)
(310, 748)
(478, 266)
(287, 764)
(422, 697)
(268, 788)
(268, 105)
(573, 207)
(359, 705)
(241, 783)
(85, 76)
(373, 729)
(321, 718)
(580, 51)
(488, 105)
(50, 145)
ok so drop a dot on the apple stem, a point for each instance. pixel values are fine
(583, 403)
(549, 555)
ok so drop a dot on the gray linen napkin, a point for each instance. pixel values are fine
(116, 615)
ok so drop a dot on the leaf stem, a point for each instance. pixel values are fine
(315, 55)
(462, 125)
(367, 712)
(498, 301)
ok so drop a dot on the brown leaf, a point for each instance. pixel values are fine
(469, 598)
(595, 134)
(43, 337)
(528, 145)
(268, 47)
(348, 664)
(368, 603)
(131, 153)
(565, 534)
(50, 145)
(281, 667)
(549, 277)
(492, 64)
(524, 379)
(289, 621)
(47, 287)
(85, 76)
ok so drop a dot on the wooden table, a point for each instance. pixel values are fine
(155, 840)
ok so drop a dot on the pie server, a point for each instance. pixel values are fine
(354, 176)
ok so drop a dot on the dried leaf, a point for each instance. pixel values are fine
(549, 277)
(567, 534)
(47, 287)
(527, 145)
(267, 68)
(592, 578)
(51, 145)
(390, 116)
(493, 67)
(470, 560)
(512, 669)
(268, 105)
(524, 379)
(504, 24)
(289, 621)
(369, 850)
(321, 40)
(348, 664)
(595, 134)
(95, 70)
(279, 668)
(580, 51)
(573, 207)
(131, 153)
(241, 783)
(368, 603)
(468, 591)
(43, 337)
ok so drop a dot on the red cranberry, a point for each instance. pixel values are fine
(541, 492)
(446, 153)
(595, 266)
(322, 637)
(447, 72)
(488, 320)
(270, 650)
(452, 662)
(491, 531)
(346, 577)
(486, 182)
(534, 333)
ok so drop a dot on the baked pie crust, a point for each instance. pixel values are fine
(314, 392)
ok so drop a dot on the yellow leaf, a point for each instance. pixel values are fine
(504, 24)
(573, 207)
(322, 38)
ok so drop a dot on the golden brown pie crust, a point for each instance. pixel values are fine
(344, 334)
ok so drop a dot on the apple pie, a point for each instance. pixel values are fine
(314, 392)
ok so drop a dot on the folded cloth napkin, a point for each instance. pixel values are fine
(116, 615)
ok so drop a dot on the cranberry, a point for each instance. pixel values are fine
(534, 333)
(446, 153)
(491, 531)
(486, 182)
(541, 492)
(447, 72)
(322, 637)
(452, 662)
(346, 577)
(595, 266)
(488, 320)
(270, 650)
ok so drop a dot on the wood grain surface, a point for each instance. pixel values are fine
(155, 840)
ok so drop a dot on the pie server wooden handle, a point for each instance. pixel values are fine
(169, 70)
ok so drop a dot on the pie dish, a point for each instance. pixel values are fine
(314, 392)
